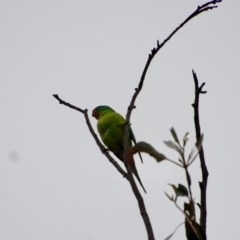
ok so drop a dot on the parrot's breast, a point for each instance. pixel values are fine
(111, 129)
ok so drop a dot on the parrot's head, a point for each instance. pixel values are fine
(98, 111)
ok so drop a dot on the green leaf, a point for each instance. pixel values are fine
(190, 208)
(198, 147)
(172, 145)
(191, 154)
(167, 238)
(180, 191)
(185, 139)
(170, 198)
(174, 134)
(147, 148)
(190, 234)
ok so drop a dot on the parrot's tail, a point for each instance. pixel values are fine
(134, 169)
(132, 166)
(138, 178)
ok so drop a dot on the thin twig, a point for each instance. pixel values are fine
(102, 148)
(199, 10)
(179, 165)
(203, 183)
(191, 223)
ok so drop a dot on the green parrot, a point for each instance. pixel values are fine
(110, 126)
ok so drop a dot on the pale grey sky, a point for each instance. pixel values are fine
(55, 184)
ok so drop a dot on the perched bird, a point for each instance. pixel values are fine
(110, 126)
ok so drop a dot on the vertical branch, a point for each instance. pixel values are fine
(141, 204)
(203, 183)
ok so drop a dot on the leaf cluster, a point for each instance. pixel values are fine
(193, 229)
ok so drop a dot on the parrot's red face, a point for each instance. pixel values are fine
(95, 113)
(99, 110)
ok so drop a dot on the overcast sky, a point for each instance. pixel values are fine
(55, 184)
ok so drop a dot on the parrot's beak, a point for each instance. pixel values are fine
(94, 114)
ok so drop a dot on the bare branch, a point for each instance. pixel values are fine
(205, 7)
(179, 165)
(102, 148)
(203, 183)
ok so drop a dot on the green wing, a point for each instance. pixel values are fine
(111, 129)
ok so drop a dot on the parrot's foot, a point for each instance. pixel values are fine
(126, 122)
(125, 175)
(104, 150)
